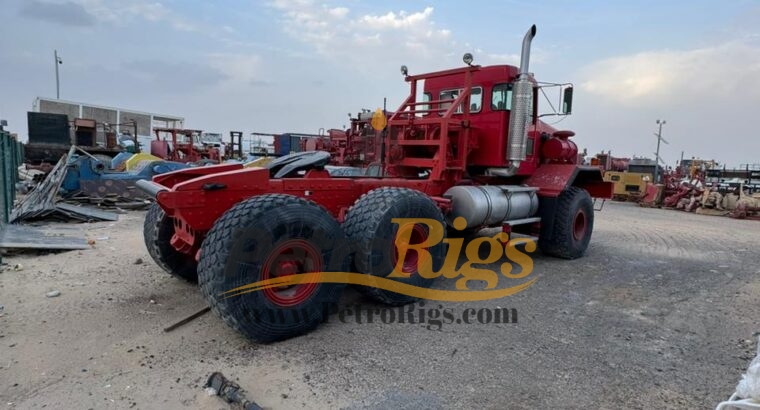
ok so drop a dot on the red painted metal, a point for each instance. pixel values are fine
(606, 162)
(170, 179)
(551, 179)
(560, 150)
(185, 146)
(651, 195)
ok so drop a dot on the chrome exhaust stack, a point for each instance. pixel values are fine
(520, 116)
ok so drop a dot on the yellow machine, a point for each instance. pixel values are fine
(628, 185)
(261, 162)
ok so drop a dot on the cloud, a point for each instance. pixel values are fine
(66, 13)
(706, 94)
(513, 59)
(172, 76)
(124, 12)
(368, 40)
(338, 12)
(728, 70)
(402, 20)
(238, 69)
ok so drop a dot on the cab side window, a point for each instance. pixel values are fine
(501, 97)
(476, 99)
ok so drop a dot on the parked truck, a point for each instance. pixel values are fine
(471, 146)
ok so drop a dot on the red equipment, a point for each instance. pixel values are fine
(185, 146)
(474, 147)
(607, 162)
(358, 146)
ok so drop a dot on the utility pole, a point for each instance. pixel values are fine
(137, 143)
(57, 78)
(657, 154)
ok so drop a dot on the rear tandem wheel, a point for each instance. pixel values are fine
(158, 230)
(369, 228)
(262, 238)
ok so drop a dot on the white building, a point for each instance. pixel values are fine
(121, 120)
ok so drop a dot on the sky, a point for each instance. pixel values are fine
(302, 65)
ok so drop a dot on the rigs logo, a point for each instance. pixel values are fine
(516, 251)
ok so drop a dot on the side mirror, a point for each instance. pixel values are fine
(567, 101)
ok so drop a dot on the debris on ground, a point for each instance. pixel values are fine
(91, 179)
(188, 319)
(42, 202)
(229, 391)
(27, 237)
(53, 294)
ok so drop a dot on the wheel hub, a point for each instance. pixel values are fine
(411, 258)
(291, 257)
(579, 225)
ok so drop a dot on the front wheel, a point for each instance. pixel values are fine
(571, 227)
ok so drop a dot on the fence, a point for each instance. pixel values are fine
(11, 157)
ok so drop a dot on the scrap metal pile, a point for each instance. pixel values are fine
(710, 201)
(42, 202)
(688, 188)
(80, 178)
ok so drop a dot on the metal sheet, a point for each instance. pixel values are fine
(87, 213)
(41, 201)
(25, 237)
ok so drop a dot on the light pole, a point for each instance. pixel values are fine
(57, 79)
(657, 154)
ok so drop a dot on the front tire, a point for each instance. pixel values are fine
(266, 237)
(572, 225)
(369, 227)
(158, 230)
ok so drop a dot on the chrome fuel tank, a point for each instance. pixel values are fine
(490, 205)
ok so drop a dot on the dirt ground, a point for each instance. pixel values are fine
(661, 313)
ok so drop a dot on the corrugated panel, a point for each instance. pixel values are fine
(5, 196)
(295, 144)
(11, 156)
(283, 143)
(26, 237)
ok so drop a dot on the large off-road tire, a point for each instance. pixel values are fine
(262, 238)
(158, 230)
(572, 225)
(372, 234)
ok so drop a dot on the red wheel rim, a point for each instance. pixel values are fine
(412, 258)
(292, 257)
(579, 225)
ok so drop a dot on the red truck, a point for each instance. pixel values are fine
(472, 146)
